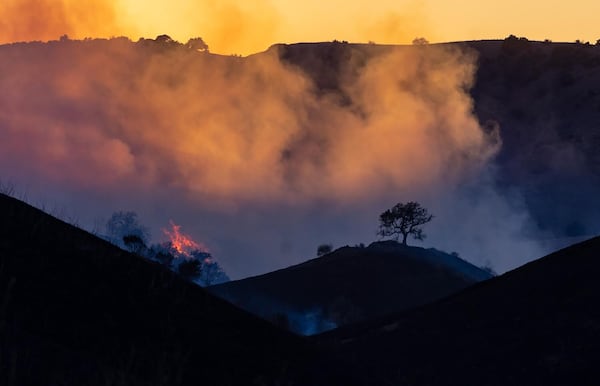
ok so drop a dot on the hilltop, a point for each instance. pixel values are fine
(536, 325)
(350, 285)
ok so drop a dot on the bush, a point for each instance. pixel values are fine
(324, 249)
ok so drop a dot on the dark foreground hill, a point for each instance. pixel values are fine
(351, 284)
(536, 325)
(75, 310)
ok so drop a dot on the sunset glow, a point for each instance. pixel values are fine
(243, 28)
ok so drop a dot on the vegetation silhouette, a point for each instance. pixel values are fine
(404, 220)
(190, 269)
(324, 249)
(134, 243)
(77, 310)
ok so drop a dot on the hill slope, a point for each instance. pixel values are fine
(352, 284)
(536, 325)
(76, 310)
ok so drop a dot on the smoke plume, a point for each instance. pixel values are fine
(249, 154)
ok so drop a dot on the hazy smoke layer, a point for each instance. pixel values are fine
(247, 154)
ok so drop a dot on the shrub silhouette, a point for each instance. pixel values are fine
(135, 244)
(324, 249)
(403, 220)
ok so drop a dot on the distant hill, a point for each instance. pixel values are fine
(543, 96)
(546, 98)
(536, 325)
(351, 284)
(75, 310)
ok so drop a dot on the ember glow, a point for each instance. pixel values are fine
(181, 242)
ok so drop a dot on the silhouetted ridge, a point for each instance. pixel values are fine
(536, 325)
(76, 310)
(352, 284)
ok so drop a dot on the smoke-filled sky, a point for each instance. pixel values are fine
(248, 156)
(245, 153)
(243, 27)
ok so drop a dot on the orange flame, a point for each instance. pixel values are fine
(181, 242)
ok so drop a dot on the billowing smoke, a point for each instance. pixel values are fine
(250, 153)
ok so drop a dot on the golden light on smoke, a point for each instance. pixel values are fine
(230, 130)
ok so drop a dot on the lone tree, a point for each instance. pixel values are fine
(404, 219)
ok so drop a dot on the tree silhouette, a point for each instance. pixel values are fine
(164, 253)
(420, 41)
(197, 44)
(165, 39)
(403, 220)
(165, 258)
(134, 243)
(210, 270)
(122, 224)
(324, 249)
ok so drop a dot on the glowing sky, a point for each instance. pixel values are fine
(245, 27)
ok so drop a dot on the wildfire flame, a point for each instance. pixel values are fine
(181, 242)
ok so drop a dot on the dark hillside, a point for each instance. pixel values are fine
(75, 310)
(352, 284)
(536, 325)
(545, 99)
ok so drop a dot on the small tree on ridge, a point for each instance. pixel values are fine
(403, 220)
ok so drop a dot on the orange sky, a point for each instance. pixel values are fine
(242, 27)
(383, 21)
